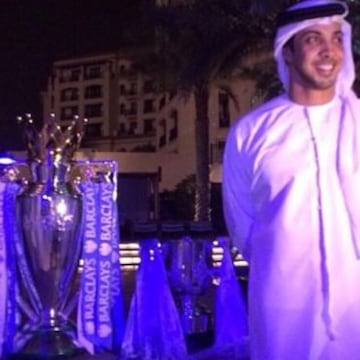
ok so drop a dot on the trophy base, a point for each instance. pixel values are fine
(199, 341)
(48, 344)
(195, 324)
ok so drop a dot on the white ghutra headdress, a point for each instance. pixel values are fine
(311, 12)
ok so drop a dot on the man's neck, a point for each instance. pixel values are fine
(307, 96)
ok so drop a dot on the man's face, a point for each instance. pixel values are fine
(315, 57)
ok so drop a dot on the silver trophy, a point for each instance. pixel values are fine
(48, 214)
(189, 264)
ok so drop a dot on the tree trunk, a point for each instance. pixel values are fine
(202, 192)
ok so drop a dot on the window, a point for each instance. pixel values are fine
(68, 75)
(220, 150)
(68, 112)
(149, 106)
(162, 102)
(93, 72)
(93, 130)
(93, 110)
(133, 108)
(149, 127)
(174, 125)
(122, 69)
(122, 89)
(93, 92)
(122, 129)
(133, 127)
(122, 109)
(224, 112)
(133, 88)
(149, 86)
(69, 94)
(217, 152)
(162, 138)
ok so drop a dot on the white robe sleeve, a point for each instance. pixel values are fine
(236, 188)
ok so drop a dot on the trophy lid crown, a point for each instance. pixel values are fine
(52, 140)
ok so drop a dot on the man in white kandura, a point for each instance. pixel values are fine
(291, 189)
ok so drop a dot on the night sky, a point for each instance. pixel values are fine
(34, 33)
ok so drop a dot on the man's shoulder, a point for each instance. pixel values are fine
(269, 106)
(263, 111)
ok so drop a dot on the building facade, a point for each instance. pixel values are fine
(145, 131)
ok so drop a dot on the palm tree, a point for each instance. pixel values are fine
(199, 42)
(266, 6)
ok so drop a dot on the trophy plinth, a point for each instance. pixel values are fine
(48, 343)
